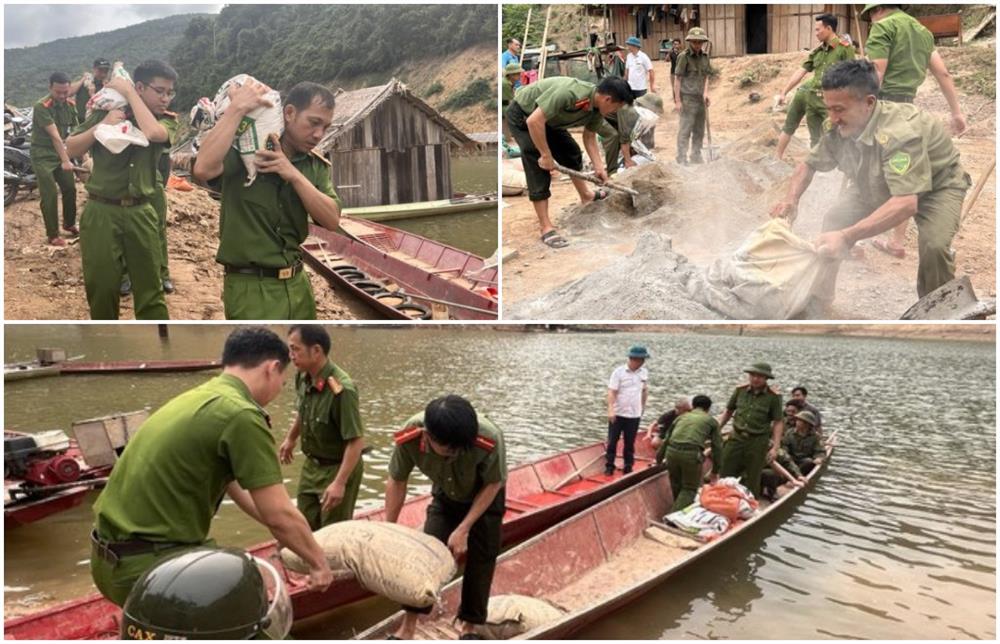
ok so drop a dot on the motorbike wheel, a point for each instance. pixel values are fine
(9, 187)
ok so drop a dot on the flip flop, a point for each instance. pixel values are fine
(552, 239)
(883, 245)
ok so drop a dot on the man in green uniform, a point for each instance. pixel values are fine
(902, 51)
(262, 225)
(209, 441)
(53, 117)
(685, 451)
(659, 430)
(540, 117)
(691, 95)
(622, 129)
(771, 480)
(83, 88)
(808, 100)
(119, 228)
(901, 164)
(329, 422)
(803, 445)
(463, 455)
(756, 411)
(511, 74)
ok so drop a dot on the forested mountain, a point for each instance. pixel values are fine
(27, 69)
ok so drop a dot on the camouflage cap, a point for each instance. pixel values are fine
(807, 416)
(761, 368)
(511, 69)
(868, 7)
(696, 33)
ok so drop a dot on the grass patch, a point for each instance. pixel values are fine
(983, 82)
(435, 88)
(757, 73)
(478, 91)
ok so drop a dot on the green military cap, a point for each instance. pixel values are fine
(511, 69)
(869, 7)
(807, 416)
(696, 33)
(638, 351)
(762, 368)
(651, 102)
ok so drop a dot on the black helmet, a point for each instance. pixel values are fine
(207, 593)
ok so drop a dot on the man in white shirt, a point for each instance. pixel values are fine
(627, 393)
(638, 68)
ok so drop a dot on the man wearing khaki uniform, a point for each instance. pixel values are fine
(691, 95)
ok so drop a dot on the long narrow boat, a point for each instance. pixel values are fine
(597, 561)
(539, 495)
(25, 370)
(402, 275)
(28, 370)
(424, 208)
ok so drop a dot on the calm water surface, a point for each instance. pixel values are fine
(895, 542)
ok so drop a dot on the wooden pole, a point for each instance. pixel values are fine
(979, 188)
(545, 39)
(524, 43)
(578, 471)
(780, 469)
(855, 20)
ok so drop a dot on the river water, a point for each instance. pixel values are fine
(895, 542)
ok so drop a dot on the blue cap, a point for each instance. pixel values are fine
(638, 351)
(632, 40)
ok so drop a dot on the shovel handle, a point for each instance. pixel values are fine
(592, 179)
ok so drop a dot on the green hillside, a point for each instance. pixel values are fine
(27, 69)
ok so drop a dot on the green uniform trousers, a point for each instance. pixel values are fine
(810, 107)
(249, 297)
(115, 580)
(611, 142)
(159, 201)
(564, 150)
(685, 467)
(53, 180)
(112, 237)
(744, 455)
(443, 516)
(938, 216)
(692, 127)
(314, 480)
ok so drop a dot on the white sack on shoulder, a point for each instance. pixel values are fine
(108, 99)
(118, 137)
(254, 130)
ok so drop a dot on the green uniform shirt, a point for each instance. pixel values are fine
(822, 58)
(82, 96)
(327, 420)
(507, 91)
(693, 70)
(46, 112)
(264, 223)
(753, 412)
(172, 476)
(627, 118)
(163, 163)
(565, 102)
(800, 447)
(902, 151)
(131, 172)
(460, 478)
(906, 45)
(693, 429)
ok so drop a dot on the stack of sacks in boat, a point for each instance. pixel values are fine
(511, 615)
(397, 562)
(715, 509)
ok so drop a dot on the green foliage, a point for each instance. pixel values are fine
(27, 69)
(478, 91)
(514, 17)
(435, 88)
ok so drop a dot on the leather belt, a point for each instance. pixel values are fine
(685, 447)
(284, 273)
(112, 552)
(326, 462)
(126, 202)
(895, 98)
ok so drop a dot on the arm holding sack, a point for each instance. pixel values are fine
(320, 205)
(148, 124)
(83, 139)
(243, 99)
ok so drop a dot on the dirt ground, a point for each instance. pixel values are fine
(43, 282)
(615, 265)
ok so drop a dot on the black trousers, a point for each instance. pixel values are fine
(443, 516)
(564, 150)
(625, 428)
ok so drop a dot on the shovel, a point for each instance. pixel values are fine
(592, 179)
(713, 151)
(954, 300)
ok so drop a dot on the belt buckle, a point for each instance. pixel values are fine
(285, 273)
(128, 202)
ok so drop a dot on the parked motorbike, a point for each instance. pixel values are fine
(18, 173)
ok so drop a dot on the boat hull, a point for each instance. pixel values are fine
(422, 209)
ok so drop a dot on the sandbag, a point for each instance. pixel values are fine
(397, 562)
(698, 521)
(108, 99)
(511, 615)
(118, 137)
(255, 129)
(727, 497)
(514, 181)
(769, 277)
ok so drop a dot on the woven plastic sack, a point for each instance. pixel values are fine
(108, 99)
(397, 562)
(698, 521)
(118, 137)
(727, 498)
(511, 615)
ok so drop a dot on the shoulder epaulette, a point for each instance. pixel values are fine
(582, 104)
(334, 385)
(47, 102)
(407, 434)
(845, 43)
(485, 443)
(774, 390)
(743, 386)
(320, 157)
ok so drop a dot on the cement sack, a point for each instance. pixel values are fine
(118, 137)
(769, 277)
(514, 181)
(511, 615)
(255, 129)
(108, 99)
(397, 562)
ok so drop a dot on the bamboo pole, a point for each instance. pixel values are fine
(855, 20)
(979, 188)
(542, 57)
(524, 43)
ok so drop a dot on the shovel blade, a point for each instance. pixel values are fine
(955, 300)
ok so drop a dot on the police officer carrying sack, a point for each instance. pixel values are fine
(901, 164)
(685, 451)
(758, 423)
(463, 455)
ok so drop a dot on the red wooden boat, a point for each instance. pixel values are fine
(140, 366)
(597, 561)
(400, 274)
(539, 494)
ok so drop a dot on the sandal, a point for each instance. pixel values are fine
(601, 194)
(885, 247)
(552, 239)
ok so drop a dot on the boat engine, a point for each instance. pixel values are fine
(24, 459)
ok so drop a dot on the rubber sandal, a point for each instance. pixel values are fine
(883, 245)
(552, 239)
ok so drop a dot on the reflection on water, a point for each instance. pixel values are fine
(896, 541)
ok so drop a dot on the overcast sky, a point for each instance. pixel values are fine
(26, 25)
